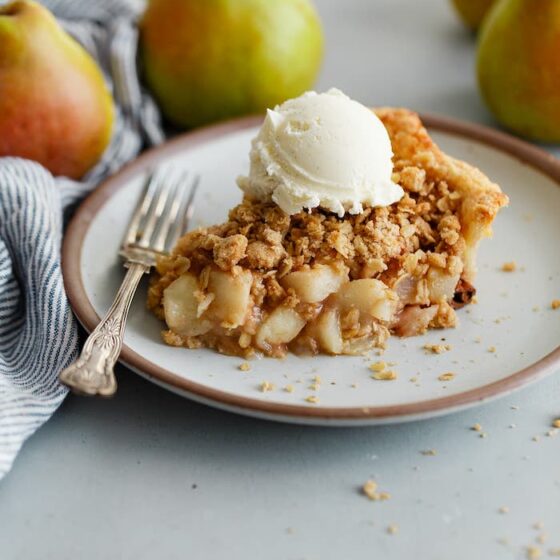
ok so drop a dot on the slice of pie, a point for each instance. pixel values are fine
(315, 282)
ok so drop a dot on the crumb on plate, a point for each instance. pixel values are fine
(392, 529)
(384, 375)
(437, 348)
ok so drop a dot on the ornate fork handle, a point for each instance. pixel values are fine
(92, 373)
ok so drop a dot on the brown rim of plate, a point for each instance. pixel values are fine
(77, 229)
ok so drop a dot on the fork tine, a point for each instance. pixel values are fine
(163, 188)
(169, 217)
(184, 208)
(189, 207)
(141, 209)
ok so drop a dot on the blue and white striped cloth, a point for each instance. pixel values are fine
(38, 334)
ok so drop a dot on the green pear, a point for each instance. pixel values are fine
(214, 59)
(519, 66)
(54, 105)
(473, 12)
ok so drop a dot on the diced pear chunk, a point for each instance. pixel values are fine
(414, 320)
(281, 327)
(231, 303)
(369, 296)
(317, 283)
(180, 307)
(327, 332)
(441, 285)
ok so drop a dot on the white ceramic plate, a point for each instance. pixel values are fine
(513, 316)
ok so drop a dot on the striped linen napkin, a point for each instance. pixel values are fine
(38, 334)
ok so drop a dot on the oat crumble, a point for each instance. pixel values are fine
(509, 266)
(384, 375)
(266, 387)
(437, 348)
(378, 366)
(370, 490)
(429, 452)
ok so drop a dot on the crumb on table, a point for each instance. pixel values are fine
(534, 553)
(510, 266)
(446, 376)
(555, 304)
(370, 490)
(245, 366)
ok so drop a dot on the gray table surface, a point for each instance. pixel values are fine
(150, 475)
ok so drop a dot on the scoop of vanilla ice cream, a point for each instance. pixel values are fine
(322, 150)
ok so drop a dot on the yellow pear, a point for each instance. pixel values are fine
(518, 66)
(472, 12)
(206, 60)
(54, 105)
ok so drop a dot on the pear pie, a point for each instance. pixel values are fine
(270, 282)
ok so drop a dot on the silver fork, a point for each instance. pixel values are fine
(153, 231)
